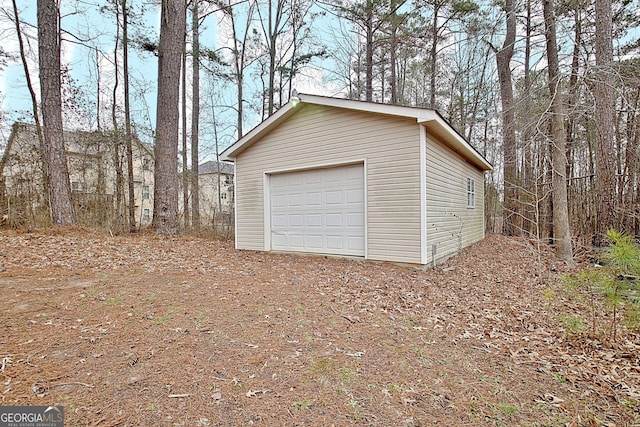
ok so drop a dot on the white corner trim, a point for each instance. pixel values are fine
(366, 209)
(423, 195)
(266, 194)
(235, 206)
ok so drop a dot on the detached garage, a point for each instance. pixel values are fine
(333, 176)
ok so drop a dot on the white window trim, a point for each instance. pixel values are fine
(471, 193)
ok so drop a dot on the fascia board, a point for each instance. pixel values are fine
(234, 149)
(457, 142)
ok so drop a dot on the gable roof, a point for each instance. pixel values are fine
(213, 167)
(431, 119)
(74, 141)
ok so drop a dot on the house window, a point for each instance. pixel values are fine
(145, 164)
(228, 180)
(76, 186)
(145, 215)
(145, 192)
(223, 196)
(471, 193)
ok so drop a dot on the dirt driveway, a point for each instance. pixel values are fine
(190, 332)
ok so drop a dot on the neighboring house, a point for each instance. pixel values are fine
(214, 176)
(92, 173)
(335, 176)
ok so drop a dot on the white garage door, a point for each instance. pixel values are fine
(320, 210)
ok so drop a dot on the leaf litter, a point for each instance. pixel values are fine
(142, 330)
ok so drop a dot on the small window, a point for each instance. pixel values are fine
(145, 164)
(471, 193)
(228, 180)
(145, 215)
(145, 192)
(223, 196)
(76, 186)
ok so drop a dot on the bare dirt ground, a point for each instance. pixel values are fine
(190, 332)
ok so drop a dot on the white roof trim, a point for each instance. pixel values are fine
(458, 143)
(430, 118)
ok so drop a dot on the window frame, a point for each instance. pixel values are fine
(77, 187)
(471, 193)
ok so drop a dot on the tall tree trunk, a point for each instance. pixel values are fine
(562, 236)
(195, 117)
(98, 86)
(393, 59)
(529, 198)
(272, 33)
(117, 157)
(165, 197)
(185, 155)
(62, 211)
(127, 117)
(369, 53)
(606, 210)
(503, 60)
(25, 66)
(433, 55)
(571, 102)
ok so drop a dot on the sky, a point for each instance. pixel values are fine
(91, 30)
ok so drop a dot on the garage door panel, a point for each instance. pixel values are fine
(296, 220)
(314, 220)
(355, 243)
(323, 210)
(314, 242)
(279, 201)
(279, 239)
(334, 175)
(334, 197)
(295, 200)
(313, 177)
(279, 221)
(314, 199)
(355, 220)
(335, 242)
(354, 173)
(354, 196)
(296, 241)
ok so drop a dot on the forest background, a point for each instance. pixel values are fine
(547, 90)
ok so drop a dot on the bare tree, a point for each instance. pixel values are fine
(170, 48)
(273, 26)
(25, 66)
(195, 115)
(184, 152)
(562, 237)
(606, 209)
(127, 117)
(62, 211)
(241, 55)
(503, 59)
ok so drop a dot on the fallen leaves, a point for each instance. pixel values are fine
(244, 336)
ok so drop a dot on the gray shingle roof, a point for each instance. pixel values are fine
(212, 167)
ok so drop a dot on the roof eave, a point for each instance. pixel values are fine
(456, 141)
(231, 152)
(422, 116)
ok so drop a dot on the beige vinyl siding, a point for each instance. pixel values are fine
(323, 136)
(451, 225)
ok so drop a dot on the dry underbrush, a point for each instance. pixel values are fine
(148, 331)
